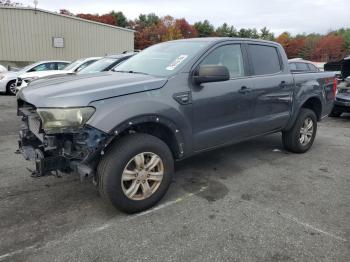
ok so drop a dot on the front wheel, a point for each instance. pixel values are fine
(136, 172)
(11, 88)
(300, 138)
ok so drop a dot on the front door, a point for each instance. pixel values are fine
(222, 110)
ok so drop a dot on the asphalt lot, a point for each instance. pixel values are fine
(248, 202)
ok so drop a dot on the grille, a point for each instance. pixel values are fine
(34, 125)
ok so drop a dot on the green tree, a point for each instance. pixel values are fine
(148, 20)
(311, 42)
(345, 33)
(120, 19)
(9, 3)
(226, 31)
(204, 28)
(248, 33)
(266, 34)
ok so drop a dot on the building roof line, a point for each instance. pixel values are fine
(66, 16)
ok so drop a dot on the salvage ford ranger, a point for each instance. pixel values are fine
(171, 101)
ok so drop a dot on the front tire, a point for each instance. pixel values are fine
(11, 88)
(300, 138)
(135, 173)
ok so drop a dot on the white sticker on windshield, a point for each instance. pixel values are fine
(176, 62)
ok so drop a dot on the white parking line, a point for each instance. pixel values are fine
(177, 200)
(295, 220)
(100, 228)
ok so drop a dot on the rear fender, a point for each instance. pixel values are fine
(298, 104)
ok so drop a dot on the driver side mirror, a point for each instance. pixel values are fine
(211, 73)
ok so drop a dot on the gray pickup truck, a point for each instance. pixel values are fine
(171, 101)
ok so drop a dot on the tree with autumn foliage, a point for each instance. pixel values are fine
(187, 30)
(151, 29)
(329, 48)
(105, 19)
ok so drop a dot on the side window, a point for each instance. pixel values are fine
(82, 66)
(292, 66)
(43, 67)
(265, 59)
(312, 68)
(302, 67)
(229, 56)
(60, 66)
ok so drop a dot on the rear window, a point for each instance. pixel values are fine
(265, 59)
(312, 68)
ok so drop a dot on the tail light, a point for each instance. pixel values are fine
(335, 82)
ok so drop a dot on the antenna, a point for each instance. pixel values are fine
(35, 4)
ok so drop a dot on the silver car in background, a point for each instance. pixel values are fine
(8, 79)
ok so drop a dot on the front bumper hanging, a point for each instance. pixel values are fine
(68, 152)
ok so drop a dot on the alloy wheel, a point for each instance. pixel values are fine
(142, 176)
(306, 131)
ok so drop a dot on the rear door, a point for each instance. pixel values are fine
(222, 110)
(272, 88)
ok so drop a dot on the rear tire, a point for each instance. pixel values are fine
(301, 136)
(131, 156)
(11, 88)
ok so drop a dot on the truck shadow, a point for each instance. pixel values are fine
(209, 170)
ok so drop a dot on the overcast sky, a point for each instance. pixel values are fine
(295, 16)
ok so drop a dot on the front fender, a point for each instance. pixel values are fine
(117, 114)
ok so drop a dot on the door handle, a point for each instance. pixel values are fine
(283, 84)
(244, 90)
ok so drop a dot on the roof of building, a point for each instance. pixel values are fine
(66, 16)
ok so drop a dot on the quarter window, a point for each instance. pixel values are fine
(265, 59)
(229, 56)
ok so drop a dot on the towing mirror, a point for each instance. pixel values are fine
(211, 73)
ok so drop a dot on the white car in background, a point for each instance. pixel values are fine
(24, 79)
(2, 69)
(8, 78)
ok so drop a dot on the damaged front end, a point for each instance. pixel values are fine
(75, 148)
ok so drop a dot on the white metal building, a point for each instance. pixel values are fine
(28, 35)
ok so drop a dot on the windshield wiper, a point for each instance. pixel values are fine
(130, 72)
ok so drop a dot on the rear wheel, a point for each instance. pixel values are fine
(11, 88)
(136, 172)
(300, 138)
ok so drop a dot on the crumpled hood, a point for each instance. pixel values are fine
(80, 90)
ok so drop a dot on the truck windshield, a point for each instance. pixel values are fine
(99, 65)
(162, 59)
(73, 64)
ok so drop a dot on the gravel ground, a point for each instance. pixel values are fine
(247, 202)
